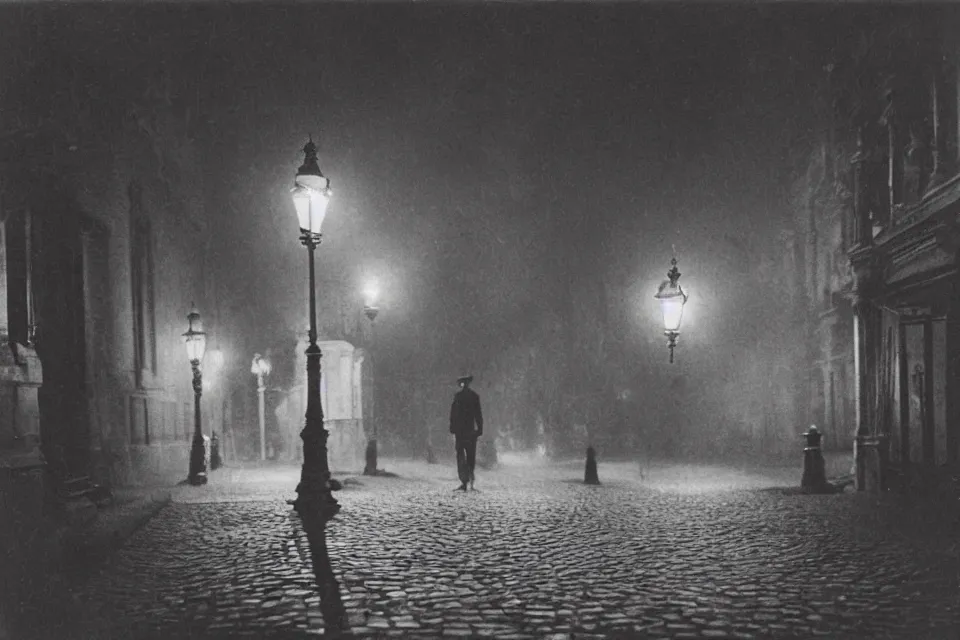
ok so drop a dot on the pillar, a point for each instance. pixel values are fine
(953, 374)
(862, 226)
(895, 154)
(866, 322)
(937, 106)
(869, 442)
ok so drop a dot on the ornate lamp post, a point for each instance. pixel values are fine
(370, 294)
(260, 367)
(196, 342)
(672, 297)
(311, 194)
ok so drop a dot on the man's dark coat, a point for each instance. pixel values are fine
(465, 413)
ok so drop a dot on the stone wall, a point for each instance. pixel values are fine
(345, 446)
(127, 183)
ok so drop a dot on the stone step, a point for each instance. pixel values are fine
(81, 487)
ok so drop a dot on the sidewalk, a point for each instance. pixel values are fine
(129, 509)
(60, 553)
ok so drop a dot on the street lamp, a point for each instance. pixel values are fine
(260, 367)
(196, 341)
(311, 194)
(370, 294)
(672, 297)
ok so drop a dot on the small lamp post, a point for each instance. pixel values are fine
(370, 309)
(260, 367)
(214, 361)
(672, 297)
(196, 341)
(311, 194)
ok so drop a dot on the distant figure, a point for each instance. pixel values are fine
(466, 424)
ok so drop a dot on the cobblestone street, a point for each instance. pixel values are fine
(678, 553)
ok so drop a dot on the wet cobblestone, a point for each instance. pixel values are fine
(530, 558)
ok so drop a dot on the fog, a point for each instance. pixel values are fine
(517, 179)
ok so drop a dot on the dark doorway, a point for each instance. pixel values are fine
(58, 295)
(917, 444)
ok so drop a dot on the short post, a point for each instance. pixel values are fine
(260, 367)
(814, 478)
(215, 461)
(590, 474)
(371, 310)
(370, 456)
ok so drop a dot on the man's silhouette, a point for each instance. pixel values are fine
(466, 424)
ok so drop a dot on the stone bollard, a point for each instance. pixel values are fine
(370, 468)
(814, 478)
(590, 474)
(215, 461)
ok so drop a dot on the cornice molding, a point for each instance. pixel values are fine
(937, 203)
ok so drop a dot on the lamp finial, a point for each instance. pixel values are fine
(310, 166)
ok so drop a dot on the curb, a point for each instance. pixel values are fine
(92, 544)
(66, 555)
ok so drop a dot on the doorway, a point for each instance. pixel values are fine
(916, 393)
(60, 341)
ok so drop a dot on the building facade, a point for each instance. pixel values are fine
(823, 282)
(101, 259)
(904, 254)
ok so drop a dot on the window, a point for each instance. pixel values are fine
(144, 323)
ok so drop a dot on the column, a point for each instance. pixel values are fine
(861, 380)
(868, 441)
(862, 227)
(939, 150)
(895, 154)
(953, 376)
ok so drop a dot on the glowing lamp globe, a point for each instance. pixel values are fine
(260, 365)
(371, 292)
(194, 337)
(311, 192)
(672, 297)
(672, 300)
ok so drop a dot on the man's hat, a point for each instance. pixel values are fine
(465, 379)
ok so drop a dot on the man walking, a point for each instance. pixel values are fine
(466, 424)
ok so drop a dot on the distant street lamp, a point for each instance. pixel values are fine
(260, 367)
(311, 194)
(672, 297)
(196, 342)
(370, 294)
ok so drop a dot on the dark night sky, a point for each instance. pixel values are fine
(484, 155)
(478, 152)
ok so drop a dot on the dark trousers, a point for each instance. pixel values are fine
(466, 458)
